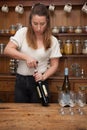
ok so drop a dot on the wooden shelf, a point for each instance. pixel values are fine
(46, 2)
(56, 77)
(3, 55)
(9, 76)
(5, 34)
(65, 56)
(59, 34)
(70, 34)
(75, 56)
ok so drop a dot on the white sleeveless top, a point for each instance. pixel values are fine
(41, 55)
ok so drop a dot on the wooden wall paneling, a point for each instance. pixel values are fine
(78, 84)
(2, 20)
(4, 39)
(7, 86)
(75, 18)
(27, 12)
(53, 85)
(59, 18)
(61, 67)
(13, 18)
(3, 96)
(10, 97)
(83, 19)
(83, 64)
(4, 65)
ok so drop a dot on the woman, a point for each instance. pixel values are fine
(34, 47)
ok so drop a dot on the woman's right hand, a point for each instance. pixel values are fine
(31, 62)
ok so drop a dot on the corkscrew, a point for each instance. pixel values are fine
(35, 68)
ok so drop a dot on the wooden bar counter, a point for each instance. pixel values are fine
(15, 116)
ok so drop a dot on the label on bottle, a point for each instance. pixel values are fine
(66, 71)
(45, 91)
(39, 92)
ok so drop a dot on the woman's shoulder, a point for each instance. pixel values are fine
(22, 30)
(54, 40)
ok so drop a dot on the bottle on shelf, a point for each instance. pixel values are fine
(42, 92)
(82, 73)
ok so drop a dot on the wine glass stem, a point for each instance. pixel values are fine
(80, 111)
(71, 111)
(62, 111)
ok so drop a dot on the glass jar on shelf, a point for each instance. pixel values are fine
(2, 46)
(55, 30)
(13, 66)
(63, 29)
(84, 49)
(85, 29)
(77, 47)
(12, 29)
(76, 70)
(61, 45)
(70, 29)
(78, 29)
(68, 47)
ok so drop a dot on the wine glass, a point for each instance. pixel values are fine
(81, 101)
(63, 101)
(72, 102)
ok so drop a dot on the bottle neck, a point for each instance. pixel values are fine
(66, 84)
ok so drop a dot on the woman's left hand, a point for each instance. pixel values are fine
(38, 76)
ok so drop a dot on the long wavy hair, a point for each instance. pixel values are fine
(41, 10)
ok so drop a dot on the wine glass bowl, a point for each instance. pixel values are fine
(61, 102)
(81, 101)
(61, 99)
(67, 101)
(72, 102)
(64, 99)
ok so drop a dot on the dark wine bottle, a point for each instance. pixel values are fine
(42, 91)
(66, 88)
(66, 84)
(43, 94)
